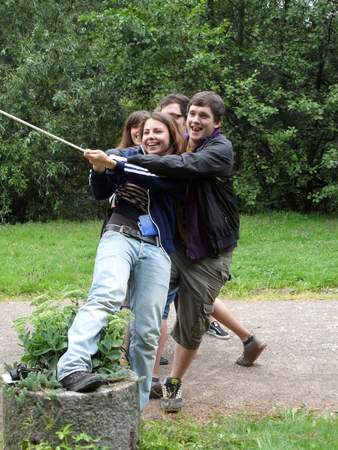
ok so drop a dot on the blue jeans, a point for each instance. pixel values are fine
(120, 259)
(170, 299)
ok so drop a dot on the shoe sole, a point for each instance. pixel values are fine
(223, 338)
(85, 386)
(169, 407)
(245, 363)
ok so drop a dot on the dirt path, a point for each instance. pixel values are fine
(299, 368)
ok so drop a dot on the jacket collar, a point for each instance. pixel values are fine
(215, 133)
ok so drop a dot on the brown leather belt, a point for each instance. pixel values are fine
(131, 232)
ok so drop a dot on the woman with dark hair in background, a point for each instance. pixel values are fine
(131, 133)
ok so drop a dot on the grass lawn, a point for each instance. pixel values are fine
(289, 430)
(287, 253)
(279, 255)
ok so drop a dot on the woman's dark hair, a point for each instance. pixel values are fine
(176, 141)
(135, 119)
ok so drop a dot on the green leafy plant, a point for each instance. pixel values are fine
(107, 360)
(67, 441)
(35, 381)
(43, 336)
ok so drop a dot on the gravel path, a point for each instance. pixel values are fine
(299, 368)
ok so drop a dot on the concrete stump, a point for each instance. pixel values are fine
(110, 413)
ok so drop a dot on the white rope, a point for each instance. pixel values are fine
(41, 130)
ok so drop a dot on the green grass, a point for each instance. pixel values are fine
(279, 254)
(55, 258)
(285, 251)
(289, 430)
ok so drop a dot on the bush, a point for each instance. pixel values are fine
(43, 336)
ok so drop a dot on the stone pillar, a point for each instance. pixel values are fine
(110, 413)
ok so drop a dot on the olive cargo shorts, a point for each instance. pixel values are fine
(199, 284)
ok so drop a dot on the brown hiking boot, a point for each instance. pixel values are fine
(82, 381)
(252, 349)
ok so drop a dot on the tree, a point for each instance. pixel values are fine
(78, 68)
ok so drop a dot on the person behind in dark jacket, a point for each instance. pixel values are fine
(133, 252)
(208, 231)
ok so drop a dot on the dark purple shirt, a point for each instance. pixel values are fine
(196, 246)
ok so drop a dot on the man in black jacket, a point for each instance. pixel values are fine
(208, 230)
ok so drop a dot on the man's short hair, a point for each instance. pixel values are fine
(211, 99)
(180, 99)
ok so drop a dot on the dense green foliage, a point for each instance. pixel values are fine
(78, 68)
(279, 255)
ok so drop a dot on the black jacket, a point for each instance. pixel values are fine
(208, 171)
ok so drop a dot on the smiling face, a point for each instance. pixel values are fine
(200, 124)
(155, 138)
(135, 134)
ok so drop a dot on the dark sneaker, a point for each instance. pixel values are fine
(172, 395)
(156, 388)
(82, 381)
(252, 349)
(217, 331)
(164, 361)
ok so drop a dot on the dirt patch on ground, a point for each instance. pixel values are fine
(299, 367)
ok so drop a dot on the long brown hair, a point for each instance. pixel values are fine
(135, 119)
(176, 141)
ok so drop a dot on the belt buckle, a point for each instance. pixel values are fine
(129, 231)
(123, 229)
(119, 228)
